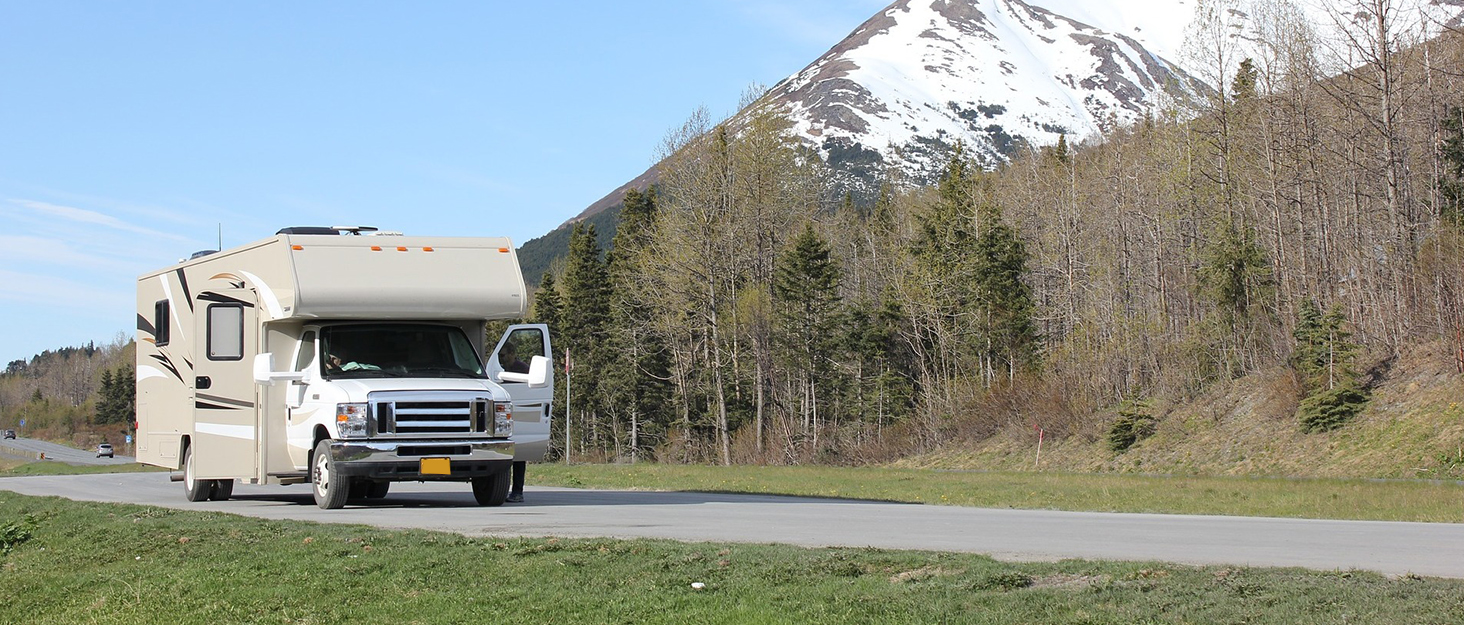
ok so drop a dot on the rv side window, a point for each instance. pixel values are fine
(307, 351)
(160, 323)
(225, 332)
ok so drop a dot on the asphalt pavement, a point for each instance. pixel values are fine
(1431, 549)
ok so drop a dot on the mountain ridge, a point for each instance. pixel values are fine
(1001, 76)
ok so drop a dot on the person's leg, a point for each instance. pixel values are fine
(516, 492)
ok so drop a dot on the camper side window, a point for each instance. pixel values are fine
(225, 332)
(160, 322)
(307, 351)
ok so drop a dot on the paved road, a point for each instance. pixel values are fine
(1433, 549)
(29, 448)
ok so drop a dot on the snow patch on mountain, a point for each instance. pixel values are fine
(997, 75)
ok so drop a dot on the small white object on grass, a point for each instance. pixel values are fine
(698, 585)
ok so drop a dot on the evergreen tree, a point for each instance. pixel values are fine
(1243, 87)
(635, 380)
(1323, 357)
(584, 323)
(106, 399)
(1003, 300)
(547, 305)
(116, 398)
(1236, 273)
(1451, 183)
(806, 304)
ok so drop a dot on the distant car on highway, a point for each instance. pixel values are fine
(105, 449)
(9, 433)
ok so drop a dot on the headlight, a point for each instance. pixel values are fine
(351, 420)
(502, 419)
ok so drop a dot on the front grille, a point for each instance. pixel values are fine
(424, 417)
(421, 414)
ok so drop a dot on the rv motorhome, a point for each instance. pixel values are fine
(341, 357)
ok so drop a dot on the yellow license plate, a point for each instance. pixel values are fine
(436, 466)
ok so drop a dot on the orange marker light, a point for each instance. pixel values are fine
(503, 250)
(296, 248)
(376, 248)
(427, 249)
(401, 249)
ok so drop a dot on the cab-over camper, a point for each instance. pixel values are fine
(344, 358)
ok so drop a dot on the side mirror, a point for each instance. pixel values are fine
(264, 373)
(537, 377)
(538, 372)
(262, 364)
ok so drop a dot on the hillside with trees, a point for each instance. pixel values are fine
(82, 395)
(1272, 283)
(1284, 264)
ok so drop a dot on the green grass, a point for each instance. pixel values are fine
(47, 467)
(71, 562)
(1300, 498)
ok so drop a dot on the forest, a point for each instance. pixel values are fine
(1305, 221)
(1304, 225)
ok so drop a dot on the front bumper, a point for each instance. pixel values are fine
(401, 460)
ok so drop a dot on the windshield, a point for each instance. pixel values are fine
(397, 351)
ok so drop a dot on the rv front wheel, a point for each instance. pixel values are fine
(491, 491)
(193, 488)
(331, 488)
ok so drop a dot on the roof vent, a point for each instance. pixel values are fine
(329, 230)
(202, 253)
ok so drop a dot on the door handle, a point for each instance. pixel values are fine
(202, 382)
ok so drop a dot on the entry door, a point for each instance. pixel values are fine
(226, 410)
(531, 406)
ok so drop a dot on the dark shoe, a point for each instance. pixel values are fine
(515, 498)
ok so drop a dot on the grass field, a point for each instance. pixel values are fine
(12, 468)
(70, 562)
(1306, 498)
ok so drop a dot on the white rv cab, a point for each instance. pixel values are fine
(341, 357)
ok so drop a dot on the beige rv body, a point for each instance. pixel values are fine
(203, 323)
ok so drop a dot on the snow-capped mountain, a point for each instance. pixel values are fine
(1000, 74)
(996, 75)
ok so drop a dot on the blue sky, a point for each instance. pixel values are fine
(130, 133)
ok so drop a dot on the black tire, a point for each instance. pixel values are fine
(223, 490)
(194, 489)
(330, 488)
(491, 491)
(377, 490)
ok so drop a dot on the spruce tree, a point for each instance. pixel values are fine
(106, 399)
(806, 307)
(1236, 273)
(1003, 300)
(1243, 87)
(637, 369)
(584, 323)
(547, 305)
(1451, 183)
(1323, 357)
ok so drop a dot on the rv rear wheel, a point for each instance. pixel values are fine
(331, 488)
(377, 490)
(193, 488)
(222, 490)
(491, 491)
